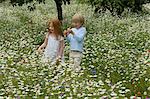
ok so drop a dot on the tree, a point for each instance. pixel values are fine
(59, 7)
(31, 8)
(116, 7)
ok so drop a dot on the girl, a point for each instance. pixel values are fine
(54, 42)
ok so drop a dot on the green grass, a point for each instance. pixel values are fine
(113, 58)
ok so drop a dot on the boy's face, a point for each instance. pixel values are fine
(76, 24)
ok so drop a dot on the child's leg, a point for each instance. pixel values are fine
(71, 60)
(75, 60)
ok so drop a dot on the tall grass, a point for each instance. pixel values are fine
(113, 61)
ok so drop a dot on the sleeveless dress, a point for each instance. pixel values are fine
(51, 50)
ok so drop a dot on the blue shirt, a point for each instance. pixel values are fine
(76, 40)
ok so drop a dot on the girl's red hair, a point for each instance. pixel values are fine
(57, 27)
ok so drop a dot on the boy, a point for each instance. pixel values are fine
(75, 36)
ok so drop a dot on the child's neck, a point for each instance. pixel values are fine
(52, 34)
(78, 27)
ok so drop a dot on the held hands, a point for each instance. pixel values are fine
(68, 31)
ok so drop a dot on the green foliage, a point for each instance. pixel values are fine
(116, 7)
(114, 61)
(21, 2)
(33, 6)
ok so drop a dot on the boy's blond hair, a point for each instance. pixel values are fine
(78, 18)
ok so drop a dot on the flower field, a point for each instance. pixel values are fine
(116, 60)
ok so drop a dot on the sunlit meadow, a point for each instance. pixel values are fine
(116, 61)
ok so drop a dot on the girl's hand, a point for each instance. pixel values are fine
(59, 57)
(58, 60)
(65, 33)
(39, 50)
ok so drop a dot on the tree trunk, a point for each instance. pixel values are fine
(138, 6)
(59, 9)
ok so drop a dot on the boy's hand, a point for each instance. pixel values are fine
(70, 31)
(66, 32)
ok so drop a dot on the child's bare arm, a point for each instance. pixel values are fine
(65, 33)
(44, 44)
(61, 49)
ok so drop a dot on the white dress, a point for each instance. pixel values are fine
(51, 50)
